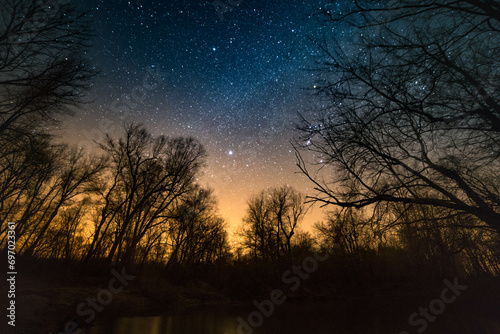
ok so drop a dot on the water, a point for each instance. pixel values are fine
(379, 316)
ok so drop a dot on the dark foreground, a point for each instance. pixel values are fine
(52, 299)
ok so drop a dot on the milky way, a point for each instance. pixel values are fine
(233, 76)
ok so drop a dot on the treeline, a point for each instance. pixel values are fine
(137, 202)
(131, 201)
(406, 135)
(415, 180)
(404, 141)
(364, 246)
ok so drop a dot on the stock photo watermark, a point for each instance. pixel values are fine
(436, 306)
(224, 7)
(293, 278)
(31, 25)
(11, 273)
(86, 310)
(124, 106)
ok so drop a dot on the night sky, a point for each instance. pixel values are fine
(237, 84)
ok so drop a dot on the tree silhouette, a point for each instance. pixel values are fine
(42, 74)
(411, 110)
(196, 233)
(42, 69)
(148, 177)
(271, 222)
(344, 230)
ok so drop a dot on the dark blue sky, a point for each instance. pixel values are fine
(236, 84)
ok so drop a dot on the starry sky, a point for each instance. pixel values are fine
(234, 79)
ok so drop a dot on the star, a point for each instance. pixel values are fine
(208, 79)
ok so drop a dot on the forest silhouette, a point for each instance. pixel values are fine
(405, 155)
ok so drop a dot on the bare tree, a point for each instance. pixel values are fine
(42, 69)
(345, 230)
(287, 209)
(258, 234)
(148, 178)
(458, 244)
(410, 110)
(196, 233)
(71, 179)
(42, 74)
(36, 187)
(64, 238)
(23, 179)
(271, 222)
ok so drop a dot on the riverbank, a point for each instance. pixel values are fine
(53, 299)
(49, 306)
